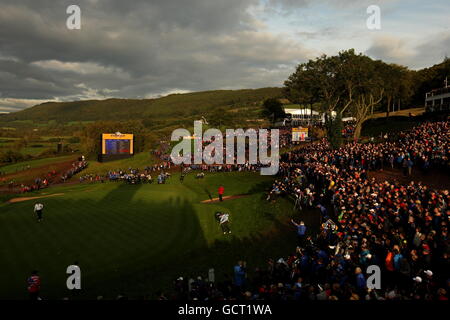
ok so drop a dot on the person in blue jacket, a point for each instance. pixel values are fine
(240, 274)
(301, 232)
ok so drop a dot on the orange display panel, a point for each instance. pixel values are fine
(117, 143)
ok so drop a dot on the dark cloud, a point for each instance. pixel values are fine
(144, 48)
(398, 50)
(136, 49)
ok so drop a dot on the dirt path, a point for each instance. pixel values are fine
(21, 199)
(434, 179)
(28, 176)
(213, 200)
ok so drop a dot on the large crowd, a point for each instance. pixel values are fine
(403, 229)
(51, 177)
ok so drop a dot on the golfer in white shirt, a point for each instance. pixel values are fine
(224, 223)
(38, 207)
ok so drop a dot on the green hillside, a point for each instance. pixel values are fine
(171, 106)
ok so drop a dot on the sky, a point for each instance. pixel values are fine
(149, 48)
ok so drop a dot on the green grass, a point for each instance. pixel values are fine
(35, 151)
(137, 238)
(12, 168)
(377, 126)
(139, 160)
(401, 113)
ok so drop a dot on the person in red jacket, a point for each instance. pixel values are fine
(34, 285)
(221, 191)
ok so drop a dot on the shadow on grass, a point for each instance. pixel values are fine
(126, 247)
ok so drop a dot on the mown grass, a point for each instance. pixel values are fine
(139, 160)
(20, 166)
(135, 239)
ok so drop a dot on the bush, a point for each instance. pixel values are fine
(11, 157)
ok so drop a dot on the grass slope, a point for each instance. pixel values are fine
(174, 105)
(139, 160)
(136, 239)
(20, 166)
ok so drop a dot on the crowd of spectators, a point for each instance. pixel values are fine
(52, 177)
(401, 228)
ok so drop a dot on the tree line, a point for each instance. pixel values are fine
(351, 84)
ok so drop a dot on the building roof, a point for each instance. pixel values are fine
(300, 111)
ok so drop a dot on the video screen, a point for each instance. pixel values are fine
(117, 146)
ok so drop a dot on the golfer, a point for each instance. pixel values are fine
(221, 192)
(38, 207)
(224, 223)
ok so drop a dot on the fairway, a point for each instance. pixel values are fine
(136, 239)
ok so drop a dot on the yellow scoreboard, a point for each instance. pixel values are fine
(299, 134)
(117, 143)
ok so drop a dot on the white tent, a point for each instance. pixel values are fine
(301, 112)
(305, 115)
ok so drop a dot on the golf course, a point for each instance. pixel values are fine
(136, 239)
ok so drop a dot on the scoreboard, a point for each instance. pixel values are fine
(117, 144)
(299, 134)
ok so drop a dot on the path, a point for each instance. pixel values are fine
(21, 199)
(225, 198)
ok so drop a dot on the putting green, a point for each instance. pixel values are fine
(135, 239)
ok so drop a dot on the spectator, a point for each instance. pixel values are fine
(34, 286)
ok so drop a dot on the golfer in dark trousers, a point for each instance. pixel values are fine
(221, 192)
(38, 207)
(224, 223)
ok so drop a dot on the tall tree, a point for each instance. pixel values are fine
(301, 87)
(398, 85)
(369, 89)
(334, 127)
(273, 109)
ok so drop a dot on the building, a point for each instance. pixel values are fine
(304, 116)
(438, 99)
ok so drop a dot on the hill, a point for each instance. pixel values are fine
(174, 105)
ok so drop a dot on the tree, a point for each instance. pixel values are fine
(427, 79)
(398, 85)
(346, 83)
(91, 134)
(326, 80)
(368, 90)
(301, 87)
(334, 130)
(273, 109)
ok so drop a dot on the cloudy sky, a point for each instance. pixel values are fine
(147, 48)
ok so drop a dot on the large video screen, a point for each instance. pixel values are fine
(116, 146)
(117, 143)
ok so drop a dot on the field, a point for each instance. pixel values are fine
(135, 239)
(139, 160)
(36, 147)
(24, 165)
